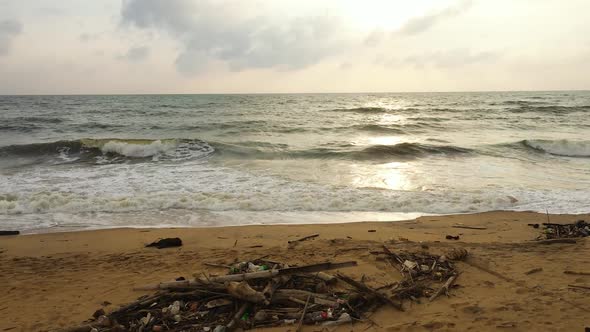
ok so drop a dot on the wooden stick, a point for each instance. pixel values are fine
(553, 241)
(217, 265)
(485, 269)
(579, 286)
(470, 227)
(303, 314)
(367, 289)
(444, 287)
(577, 273)
(133, 305)
(535, 270)
(304, 238)
(237, 316)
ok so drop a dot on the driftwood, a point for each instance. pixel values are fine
(470, 227)
(238, 315)
(243, 291)
(248, 276)
(444, 288)
(579, 286)
(217, 265)
(366, 289)
(5, 233)
(304, 238)
(249, 298)
(480, 266)
(553, 241)
(535, 270)
(303, 314)
(577, 273)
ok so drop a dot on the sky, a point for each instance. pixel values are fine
(290, 46)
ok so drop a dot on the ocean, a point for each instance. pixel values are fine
(88, 162)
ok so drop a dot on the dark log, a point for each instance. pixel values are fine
(470, 227)
(577, 273)
(304, 238)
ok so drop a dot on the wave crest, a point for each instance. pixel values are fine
(560, 147)
(106, 150)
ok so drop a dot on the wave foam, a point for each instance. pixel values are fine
(138, 150)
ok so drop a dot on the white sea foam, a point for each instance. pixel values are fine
(202, 189)
(138, 150)
(562, 147)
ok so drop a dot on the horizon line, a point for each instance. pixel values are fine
(282, 93)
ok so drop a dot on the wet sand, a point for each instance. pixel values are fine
(51, 281)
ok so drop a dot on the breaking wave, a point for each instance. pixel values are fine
(105, 150)
(560, 147)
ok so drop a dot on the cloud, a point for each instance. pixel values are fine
(452, 58)
(375, 38)
(420, 24)
(9, 29)
(88, 37)
(136, 54)
(220, 31)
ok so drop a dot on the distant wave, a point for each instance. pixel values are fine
(361, 110)
(27, 123)
(550, 109)
(374, 128)
(373, 152)
(410, 150)
(560, 147)
(184, 149)
(38, 119)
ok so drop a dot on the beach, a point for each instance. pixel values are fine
(56, 280)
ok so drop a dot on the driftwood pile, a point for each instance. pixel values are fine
(265, 293)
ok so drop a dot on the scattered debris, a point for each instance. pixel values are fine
(6, 233)
(451, 237)
(534, 225)
(265, 293)
(166, 243)
(372, 230)
(562, 231)
(535, 270)
(422, 271)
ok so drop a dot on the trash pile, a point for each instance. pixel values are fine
(561, 231)
(265, 293)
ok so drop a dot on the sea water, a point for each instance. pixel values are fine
(72, 162)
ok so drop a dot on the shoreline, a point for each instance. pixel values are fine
(401, 217)
(57, 280)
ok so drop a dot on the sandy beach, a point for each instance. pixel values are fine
(52, 281)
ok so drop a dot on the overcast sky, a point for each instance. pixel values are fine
(248, 46)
